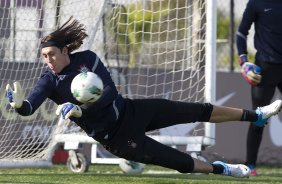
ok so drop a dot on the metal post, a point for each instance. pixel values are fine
(210, 68)
(231, 35)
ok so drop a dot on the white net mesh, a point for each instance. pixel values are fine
(156, 49)
(153, 48)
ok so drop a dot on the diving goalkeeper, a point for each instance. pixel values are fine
(119, 123)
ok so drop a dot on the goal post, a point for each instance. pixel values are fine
(153, 49)
(210, 70)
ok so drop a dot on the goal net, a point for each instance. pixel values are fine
(153, 49)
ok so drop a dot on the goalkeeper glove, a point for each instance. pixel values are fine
(16, 96)
(251, 72)
(68, 109)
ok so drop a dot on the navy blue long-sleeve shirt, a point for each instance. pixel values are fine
(96, 117)
(266, 16)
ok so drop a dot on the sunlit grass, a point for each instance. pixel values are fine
(112, 174)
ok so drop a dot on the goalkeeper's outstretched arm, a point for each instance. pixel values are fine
(27, 106)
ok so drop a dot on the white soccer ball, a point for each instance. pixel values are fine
(87, 87)
(131, 167)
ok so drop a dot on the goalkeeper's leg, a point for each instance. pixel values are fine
(156, 153)
(259, 117)
(164, 113)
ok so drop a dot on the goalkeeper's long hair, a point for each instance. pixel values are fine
(71, 35)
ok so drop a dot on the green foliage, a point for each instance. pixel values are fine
(223, 23)
(134, 25)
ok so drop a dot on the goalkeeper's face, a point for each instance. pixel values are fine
(55, 58)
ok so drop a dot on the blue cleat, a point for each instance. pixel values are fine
(264, 113)
(235, 170)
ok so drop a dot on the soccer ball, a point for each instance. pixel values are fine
(131, 167)
(87, 87)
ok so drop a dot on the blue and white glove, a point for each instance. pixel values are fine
(16, 96)
(68, 110)
(250, 71)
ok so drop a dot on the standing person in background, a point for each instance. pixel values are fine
(265, 74)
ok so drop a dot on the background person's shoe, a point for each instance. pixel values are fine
(253, 172)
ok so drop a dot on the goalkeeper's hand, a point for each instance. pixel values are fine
(16, 96)
(68, 110)
(251, 72)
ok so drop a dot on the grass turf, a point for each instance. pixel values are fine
(103, 174)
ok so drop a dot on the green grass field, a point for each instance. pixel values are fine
(101, 174)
